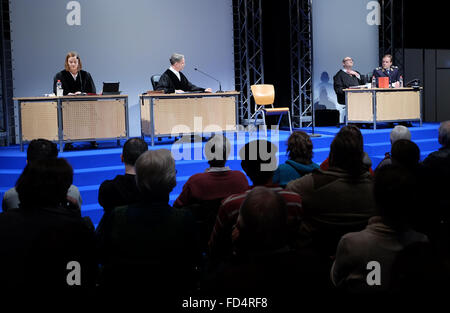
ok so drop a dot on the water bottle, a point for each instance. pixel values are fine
(374, 82)
(59, 90)
(401, 82)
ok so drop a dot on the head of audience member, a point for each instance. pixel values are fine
(73, 62)
(155, 173)
(41, 149)
(396, 191)
(217, 150)
(347, 151)
(386, 62)
(444, 134)
(177, 61)
(405, 153)
(300, 147)
(399, 132)
(131, 151)
(347, 63)
(44, 183)
(261, 225)
(259, 161)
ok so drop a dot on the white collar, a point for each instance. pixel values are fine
(175, 72)
(74, 76)
(217, 169)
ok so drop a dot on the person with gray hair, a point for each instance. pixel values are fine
(397, 133)
(217, 182)
(203, 192)
(174, 81)
(148, 246)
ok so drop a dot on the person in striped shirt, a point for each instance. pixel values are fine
(258, 160)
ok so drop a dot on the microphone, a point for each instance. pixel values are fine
(220, 86)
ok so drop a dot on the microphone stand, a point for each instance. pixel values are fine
(220, 86)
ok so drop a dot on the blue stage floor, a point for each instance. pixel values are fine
(92, 167)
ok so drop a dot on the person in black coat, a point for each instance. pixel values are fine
(74, 80)
(173, 81)
(388, 70)
(44, 240)
(346, 77)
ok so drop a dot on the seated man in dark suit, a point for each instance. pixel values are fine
(122, 190)
(173, 81)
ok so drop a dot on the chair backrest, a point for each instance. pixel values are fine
(155, 80)
(263, 94)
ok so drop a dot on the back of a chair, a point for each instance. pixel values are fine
(155, 80)
(263, 94)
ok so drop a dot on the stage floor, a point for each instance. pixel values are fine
(93, 166)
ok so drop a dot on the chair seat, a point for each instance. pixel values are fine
(276, 110)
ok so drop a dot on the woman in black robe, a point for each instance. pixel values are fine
(74, 80)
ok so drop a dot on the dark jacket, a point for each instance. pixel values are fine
(169, 82)
(147, 246)
(334, 203)
(393, 73)
(36, 246)
(342, 80)
(83, 83)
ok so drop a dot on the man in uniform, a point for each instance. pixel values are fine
(388, 70)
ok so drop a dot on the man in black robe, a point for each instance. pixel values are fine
(173, 81)
(346, 77)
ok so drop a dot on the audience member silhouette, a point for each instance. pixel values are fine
(219, 180)
(263, 262)
(397, 133)
(405, 153)
(122, 190)
(39, 149)
(148, 249)
(436, 171)
(338, 200)
(396, 195)
(300, 153)
(259, 163)
(203, 193)
(46, 238)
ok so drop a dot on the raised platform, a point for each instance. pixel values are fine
(92, 167)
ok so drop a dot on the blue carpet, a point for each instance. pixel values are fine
(92, 167)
